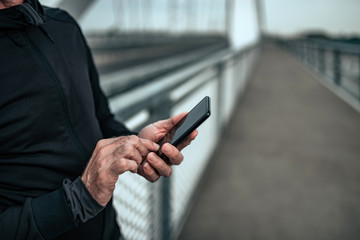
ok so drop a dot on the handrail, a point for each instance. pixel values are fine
(155, 90)
(151, 83)
(325, 45)
(124, 80)
(337, 63)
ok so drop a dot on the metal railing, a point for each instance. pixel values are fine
(158, 210)
(337, 63)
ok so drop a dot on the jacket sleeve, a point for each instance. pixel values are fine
(109, 126)
(50, 215)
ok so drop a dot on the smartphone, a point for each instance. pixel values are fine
(186, 125)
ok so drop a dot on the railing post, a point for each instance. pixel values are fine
(321, 60)
(308, 55)
(314, 57)
(359, 77)
(162, 110)
(302, 52)
(337, 67)
(166, 231)
(165, 188)
(220, 80)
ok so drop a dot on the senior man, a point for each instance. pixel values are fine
(59, 157)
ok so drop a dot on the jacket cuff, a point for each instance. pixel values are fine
(58, 212)
(52, 214)
(82, 205)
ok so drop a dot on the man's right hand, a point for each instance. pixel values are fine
(111, 158)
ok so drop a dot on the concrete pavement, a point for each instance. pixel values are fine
(288, 166)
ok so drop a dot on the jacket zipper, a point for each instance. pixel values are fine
(59, 91)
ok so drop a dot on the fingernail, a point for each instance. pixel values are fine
(156, 145)
(146, 165)
(150, 157)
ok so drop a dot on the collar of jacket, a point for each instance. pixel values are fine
(30, 13)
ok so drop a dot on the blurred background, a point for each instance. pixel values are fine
(279, 157)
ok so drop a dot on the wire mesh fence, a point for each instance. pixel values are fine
(138, 207)
(158, 210)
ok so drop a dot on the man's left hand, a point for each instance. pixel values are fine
(153, 166)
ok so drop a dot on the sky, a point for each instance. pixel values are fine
(284, 17)
(336, 17)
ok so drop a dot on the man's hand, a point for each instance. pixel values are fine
(154, 167)
(111, 158)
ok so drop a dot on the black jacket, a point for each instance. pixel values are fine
(52, 113)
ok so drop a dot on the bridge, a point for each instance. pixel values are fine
(288, 163)
(278, 158)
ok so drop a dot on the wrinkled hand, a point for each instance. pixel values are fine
(111, 158)
(154, 167)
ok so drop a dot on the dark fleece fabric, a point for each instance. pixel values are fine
(52, 113)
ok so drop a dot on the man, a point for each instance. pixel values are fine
(59, 159)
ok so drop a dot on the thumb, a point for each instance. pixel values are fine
(168, 124)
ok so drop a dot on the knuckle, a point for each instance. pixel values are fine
(120, 139)
(129, 148)
(122, 163)
(136, 141)
(100, 144)
(102, 151)
(134, 138)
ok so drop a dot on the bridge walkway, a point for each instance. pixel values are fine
(288, 166)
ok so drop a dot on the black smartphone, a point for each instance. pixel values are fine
(186, 125)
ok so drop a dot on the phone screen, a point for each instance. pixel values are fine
(186, 125)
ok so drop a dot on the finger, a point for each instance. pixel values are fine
(129, 151)
(174, 155)
(119, 166)
(150, 145)
(137, 143)
(159, 165)
(148, 172)
(187, 140)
